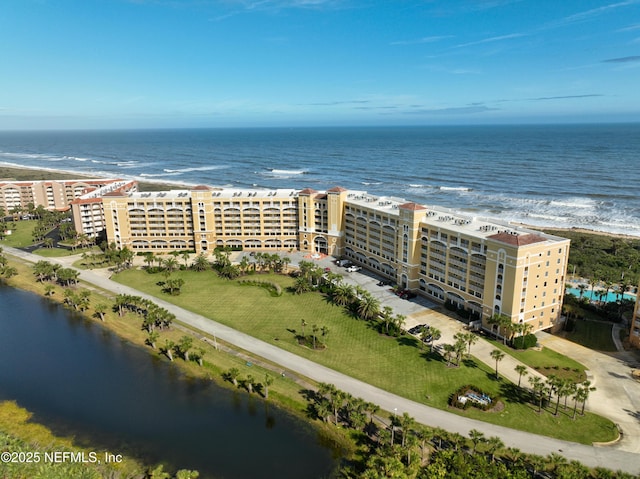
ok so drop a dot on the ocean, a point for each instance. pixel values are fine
(584, 176)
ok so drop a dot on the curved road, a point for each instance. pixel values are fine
(532, 443)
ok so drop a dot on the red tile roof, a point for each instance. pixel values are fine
(412, 206)
(307, 191)
(517, 239)
(337, 189)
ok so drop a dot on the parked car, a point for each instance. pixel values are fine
(384, 282)
(353, 269)
(406, 294)
(419, 328)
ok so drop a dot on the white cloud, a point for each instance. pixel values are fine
(492, 39)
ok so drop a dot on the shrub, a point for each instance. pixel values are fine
(274, 288)
(525, 342)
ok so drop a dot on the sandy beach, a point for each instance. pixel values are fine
(13, 173)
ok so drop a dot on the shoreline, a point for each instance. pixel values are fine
(219, 357)
(29, 173)
(24, 173)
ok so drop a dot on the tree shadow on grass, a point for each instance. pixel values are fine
(408, 341)
(430, 356)
(470, 363)
(512, 393)
(312, 398)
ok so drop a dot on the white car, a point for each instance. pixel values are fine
(353, 269)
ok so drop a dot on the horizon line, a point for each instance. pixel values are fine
(310, 127)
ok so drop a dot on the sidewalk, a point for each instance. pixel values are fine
(613, 458)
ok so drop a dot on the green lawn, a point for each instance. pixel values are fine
(546, 361)
(593, 335)
(354, 348)
(58, 252)
(21, 236)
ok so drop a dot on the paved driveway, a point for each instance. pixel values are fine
(613, 458)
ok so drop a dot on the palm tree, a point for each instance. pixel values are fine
(476, 438)
(198, 355)
(148, 258)
(425, 337)
(268, 381)
(200, 263)
(494, 443)
(459, 347)
(285, 263)
(582, 287)
(184, 345)
(406, 422)
(336, 398)
(521, 369)
(449, 349)
(168, 349)
(244, 264)
(185, 257)
(513, 454)
(398, 323)
(152, 338)
(498, 355)
(249, 382)
(342, 294)
(435, 335)
(303, 323)
(562, 389)
(233, 374)
(387, 317)
(538, 387)
(368, 307)
(555, 460)
(301, 285)
(101, 309)
(587, 389)
(170, 265)
(9, 271)
(471, 339)
(323, 409)
(592, 283)
(536, 461)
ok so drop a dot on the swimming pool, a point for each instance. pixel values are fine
(610, 298)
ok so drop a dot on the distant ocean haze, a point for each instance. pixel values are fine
(564, 176)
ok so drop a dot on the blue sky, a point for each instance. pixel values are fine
(219, 63)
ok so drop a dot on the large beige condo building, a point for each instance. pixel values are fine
(479, 264)
(51, 194)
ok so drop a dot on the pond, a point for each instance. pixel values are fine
(82, 380)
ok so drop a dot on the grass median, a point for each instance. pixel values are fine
(354, 348)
